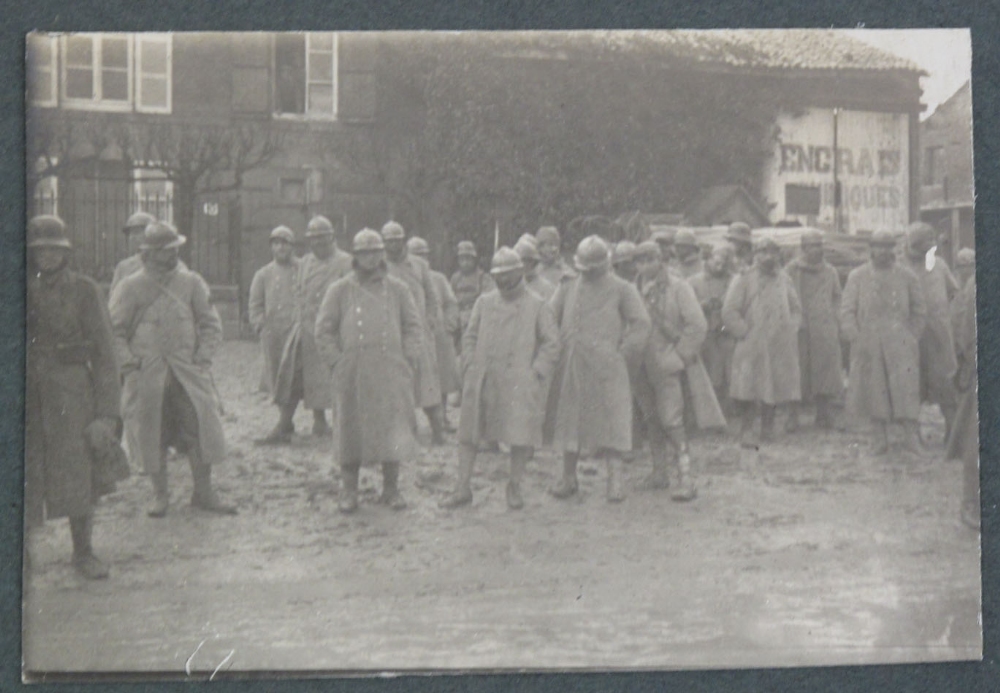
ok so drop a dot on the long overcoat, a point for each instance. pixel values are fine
(763, 314)
(674, 349)
(315, 276)
(717, 351)
(369, 333)
(161, 322)
(71, 380)
(603, 326)
(820, 358)
(446, 327)
(882, 315)
(271, 310)
(556, 273)
(415, 273)
(128, 267)
(468, 288)
(937, 342)
(508, 352)
(541, 286)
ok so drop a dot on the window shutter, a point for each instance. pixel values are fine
(252, 74)
(357, 98)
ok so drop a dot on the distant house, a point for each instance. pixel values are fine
(946, 181)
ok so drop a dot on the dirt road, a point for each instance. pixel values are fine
(810, 552)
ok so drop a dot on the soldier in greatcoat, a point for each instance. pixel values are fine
(468, 282)
(369, 332)
(302, 374)
(553, 268)
(446, 329)
(509, 351)
(603, 327)
(762, 312)
(740, 237)
(882, 315)
(688, 253)
(166, 333)
(71, 390)
(965, 274)
(527, 249)
(818, 285)
(671, 374)
(416, 274)
(937, 342)
(623, 260)
(710, 286)
(271, 306)
(963, 444)
(134, 228)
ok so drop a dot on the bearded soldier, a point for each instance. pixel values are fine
(671, 372)
(369, 332)
(446, 329)
(818, 286)
(553, 269)
(763, 313)
(469, 283)
(527, 249)
(302, 374)
(603, 328)
(882, 315)
(272, 303)
(166, 333)
(509, 350)
(71, 391)
(416, 274)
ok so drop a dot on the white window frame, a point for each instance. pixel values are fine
(52, 68)
(147, 172)
(306, 114)
(97, 102)
(140, 107)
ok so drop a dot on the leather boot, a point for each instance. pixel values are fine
(390, 487)
(659, 477)
(449, 427)
(748, 436)
(880, 438)
(685, 488)
(348, 502)
(161, 492)
(462, 494)
(766, 422)
(567, 485)
(204, 497)
(792, 422)
(616, 492)
(321, 429)
(911, 438)
(518, 462)
(84, 561)
(282, 432)
(437, 424)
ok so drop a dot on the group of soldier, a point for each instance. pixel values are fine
(631, 342)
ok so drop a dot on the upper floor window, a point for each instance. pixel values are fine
(306, 74)
(933, 165)
(108, 71)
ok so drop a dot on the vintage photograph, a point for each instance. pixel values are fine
(366, 352)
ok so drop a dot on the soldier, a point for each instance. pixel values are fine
(671, 374)
(665, 240)
(937, 342)
(818, 286)
(688, 254)
(763, 313)
(603, 329)
(446, 329)
(416, 274)
(710, 286)
(623, 260)
(134, 228)
(965, 267)
(302, 374)
(882, 315)
(166, 333)
(469, 283)
(964, 441)
(741, 239)
(553, 269)
(272, 303)
(527, 249)
(71, 391)
(509, 350)
(368, 331)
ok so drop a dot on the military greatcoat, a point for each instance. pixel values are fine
(937, 342)
(272, 314)
(415, 273)
(820, 360)
(717, 351)
(446, 327)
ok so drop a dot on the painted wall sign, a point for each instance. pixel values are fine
(870, 163)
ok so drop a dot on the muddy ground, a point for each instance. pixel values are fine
(808, 552)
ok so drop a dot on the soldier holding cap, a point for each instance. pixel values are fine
(763, 313)
(166, 333)
(527, 249)
(71, 391)
(508, 353)
(302, 375)
(553, 269)
(882, 315)
(469, 283)
(271, 306)
(688, 253)
(416, 274)
(820, 362)
(603, 329)
(369, 334)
